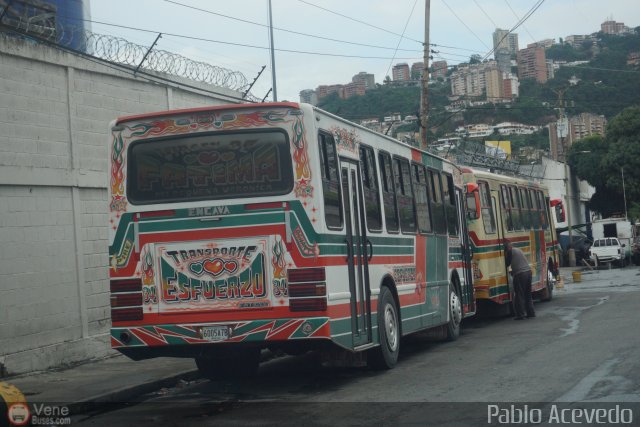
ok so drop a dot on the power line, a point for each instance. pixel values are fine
(518, 18)
(463, 23)
(453, 47)
(485, 14)
(285, 30)
(383, 29)
(359, 21)
(450, 53)
(520, 22)
(400, 40)
(240, 44)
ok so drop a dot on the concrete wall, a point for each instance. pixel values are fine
(581, 192)
(54, 112)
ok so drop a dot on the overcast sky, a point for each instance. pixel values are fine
(465, 26)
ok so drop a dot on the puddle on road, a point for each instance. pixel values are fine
(571, 314)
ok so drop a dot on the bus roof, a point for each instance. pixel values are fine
(296, 105)
(206, 109)
(504, 178)
(387, 137)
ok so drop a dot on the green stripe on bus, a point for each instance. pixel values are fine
(224, 221)
(498, 290)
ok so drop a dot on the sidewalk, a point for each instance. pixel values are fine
(117, 379)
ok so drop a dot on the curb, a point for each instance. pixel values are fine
(128, 394)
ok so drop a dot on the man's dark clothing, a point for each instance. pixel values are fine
(521, 282)
(523, 299)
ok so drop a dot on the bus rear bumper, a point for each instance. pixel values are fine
(253, 332)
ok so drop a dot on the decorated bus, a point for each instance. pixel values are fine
(504, 207)
(242, 227)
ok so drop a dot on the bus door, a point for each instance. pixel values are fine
(357, 255)
(467, 292)
(500, 210)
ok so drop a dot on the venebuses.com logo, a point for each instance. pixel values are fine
(15, 411)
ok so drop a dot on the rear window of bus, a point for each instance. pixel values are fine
(209, 167)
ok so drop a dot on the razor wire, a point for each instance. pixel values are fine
(39, 19)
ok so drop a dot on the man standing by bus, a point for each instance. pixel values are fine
(521, 273)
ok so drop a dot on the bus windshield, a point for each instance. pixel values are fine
(209, 167)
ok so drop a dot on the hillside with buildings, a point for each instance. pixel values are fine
(522, 94)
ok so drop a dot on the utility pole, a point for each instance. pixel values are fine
(562, 132)
(424, 102)
(624, 193)
(273, 57)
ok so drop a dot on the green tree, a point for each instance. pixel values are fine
(475, 59)
(601, 163)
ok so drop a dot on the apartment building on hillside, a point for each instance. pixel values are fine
(401, 72)
(532, 63)
(504, 40)
(580, 126)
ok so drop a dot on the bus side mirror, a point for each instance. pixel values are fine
(559, 209)
(473, 201)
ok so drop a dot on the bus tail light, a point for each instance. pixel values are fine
(308, 304)
(126, 285)
(307, 289)
(305, 275)
(126, 300)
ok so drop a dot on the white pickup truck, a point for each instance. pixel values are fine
(607, 250)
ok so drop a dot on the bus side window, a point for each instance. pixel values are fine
(370, 189)
(388, 193)
(535, 218)
(544, 216)
(515, 207)
(405, 196)
(506, 202)
(450, 205)
(435, 193)
(526, 212)
(330, 181)
(486, 207)
(422, 197)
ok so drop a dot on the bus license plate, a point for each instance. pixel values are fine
(215, 333)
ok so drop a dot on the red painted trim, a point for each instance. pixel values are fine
(183, 317)
(480, 242)
(227, 107)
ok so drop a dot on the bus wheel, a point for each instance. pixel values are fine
(455, 314)
(547, 293)
(243, 364)
(386, 355)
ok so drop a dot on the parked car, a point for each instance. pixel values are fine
(607, 250)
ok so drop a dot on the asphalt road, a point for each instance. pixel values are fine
(584, 346)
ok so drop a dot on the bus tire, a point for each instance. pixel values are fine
(547, 293)
(386, 355)
(455, 314)
(243, 364)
